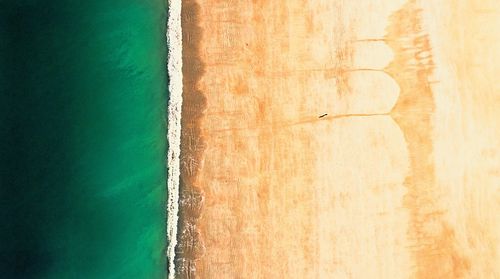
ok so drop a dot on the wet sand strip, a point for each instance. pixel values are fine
(190, 246)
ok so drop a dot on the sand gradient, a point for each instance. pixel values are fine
(400, 178)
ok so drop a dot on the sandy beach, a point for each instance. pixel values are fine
(340, 139)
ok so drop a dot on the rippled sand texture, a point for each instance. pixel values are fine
(399, 180)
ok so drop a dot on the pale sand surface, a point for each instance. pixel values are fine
(401, 178)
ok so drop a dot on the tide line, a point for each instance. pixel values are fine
(174, 42)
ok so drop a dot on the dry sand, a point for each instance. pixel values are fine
(399, 180)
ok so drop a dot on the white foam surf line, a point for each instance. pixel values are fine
(174, 41)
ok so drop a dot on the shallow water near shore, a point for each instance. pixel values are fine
(83, 139)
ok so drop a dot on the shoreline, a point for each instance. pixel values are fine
(174, 65)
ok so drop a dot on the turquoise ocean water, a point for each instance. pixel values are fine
(83, 139)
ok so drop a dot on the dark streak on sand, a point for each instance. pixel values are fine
(435, 251)
(189, 245)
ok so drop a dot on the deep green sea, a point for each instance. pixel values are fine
(83, 139)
